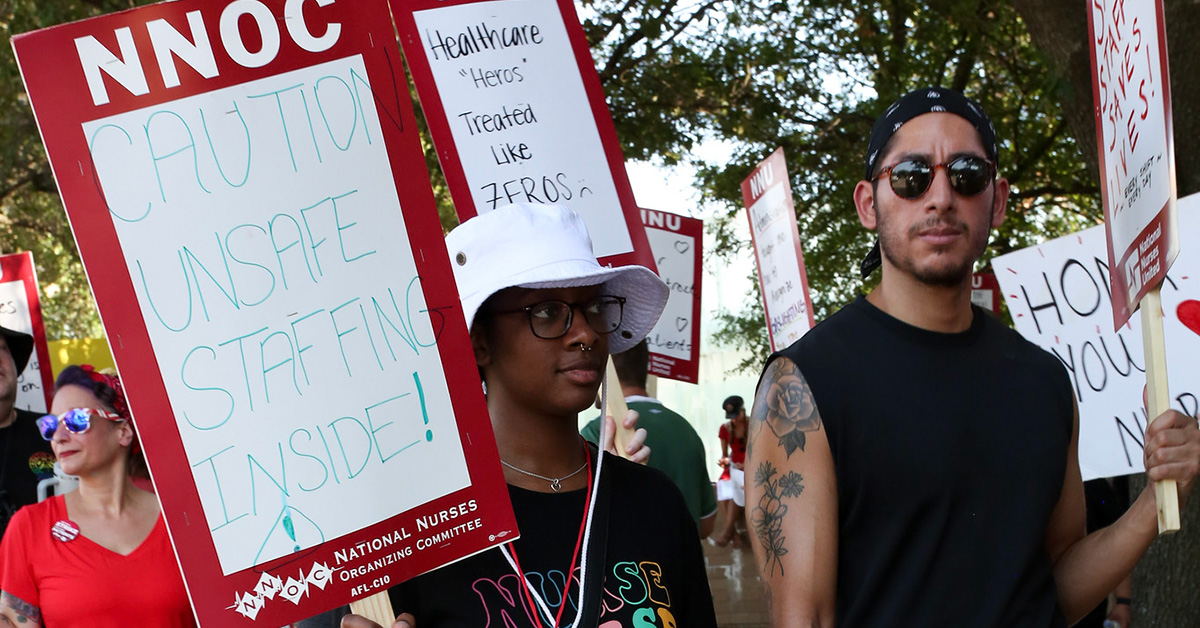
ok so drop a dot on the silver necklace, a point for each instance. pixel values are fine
(555, 483)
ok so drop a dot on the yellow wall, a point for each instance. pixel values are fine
(92, 351)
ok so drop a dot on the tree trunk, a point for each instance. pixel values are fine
(1166, 580)
(1059, 29)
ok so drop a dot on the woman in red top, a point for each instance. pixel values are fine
(731, 487)
(98, 556)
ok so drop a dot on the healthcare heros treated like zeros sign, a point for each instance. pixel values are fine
(246, 186)
(21, 310)
(1057, 293)
(781, 278)
(517, 113)
(1132, 96)
(674, 342)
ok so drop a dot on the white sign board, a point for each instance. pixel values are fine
(674, 342)
(259, 232)
(515, 103)
(767, 195)
(228, 299)
(1058, 296)
(1131, 91)
(20, 310)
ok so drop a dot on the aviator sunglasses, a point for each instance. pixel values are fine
(77, 421)
(911, 177)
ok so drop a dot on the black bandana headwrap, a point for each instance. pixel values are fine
(915, 103)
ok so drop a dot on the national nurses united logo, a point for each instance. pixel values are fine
(1133, 273)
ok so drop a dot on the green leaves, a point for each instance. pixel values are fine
(811, 77)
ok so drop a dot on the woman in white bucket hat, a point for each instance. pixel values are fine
(602, 539)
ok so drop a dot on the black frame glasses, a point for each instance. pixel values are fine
(76, 420)
(549, 320)
(910, 178)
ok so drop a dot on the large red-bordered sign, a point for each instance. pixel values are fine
(21, 310)
(1131, 88)
(674, 342)
(246, 185)
(782, 280)
(517, 113)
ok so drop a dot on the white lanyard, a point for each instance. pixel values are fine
(587, 531)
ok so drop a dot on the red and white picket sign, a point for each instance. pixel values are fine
(767, 195)
(247, 188)
(1132, 95)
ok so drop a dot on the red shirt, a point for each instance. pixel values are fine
(79, 583)
(737, 446)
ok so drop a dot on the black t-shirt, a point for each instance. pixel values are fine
(644, 548)
(25, 460)
(950, 452)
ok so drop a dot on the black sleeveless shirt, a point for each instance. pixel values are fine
(950, 452)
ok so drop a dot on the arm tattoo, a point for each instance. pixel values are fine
(767, 516)
(26, 612)
(785, 403)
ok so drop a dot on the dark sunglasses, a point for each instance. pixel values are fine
(76, 421)
(912, 177)
(552, 319)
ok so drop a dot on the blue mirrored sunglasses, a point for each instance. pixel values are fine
(77, 421)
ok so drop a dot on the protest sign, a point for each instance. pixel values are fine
(675, 340)
(247, 189)
(767, 195)
(1132, 94)
(517, 113)
(21, 310)
(985, 291)
(1137, 181)
(1057, 293)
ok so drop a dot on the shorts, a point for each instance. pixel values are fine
(733, 488)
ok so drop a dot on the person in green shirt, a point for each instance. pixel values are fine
(676, 447)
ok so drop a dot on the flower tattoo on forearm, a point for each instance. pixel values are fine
(25, 611)
(767, 517)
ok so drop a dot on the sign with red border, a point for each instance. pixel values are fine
(246, 185)
(21, 310)
(517, 113)
(781, 277)
(985, 291)
(1131, 89)
(1057, 294)
(674, 342)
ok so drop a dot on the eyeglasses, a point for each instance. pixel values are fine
(911, 178)
(552, 319)
(77, 421)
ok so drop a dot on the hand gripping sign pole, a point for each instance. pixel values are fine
(614, 406)
(1158, 400)
(1131, 91)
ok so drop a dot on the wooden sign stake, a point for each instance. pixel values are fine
(616, 408)
(1166, 494)
(377, 608)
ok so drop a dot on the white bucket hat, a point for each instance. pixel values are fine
(528, 245)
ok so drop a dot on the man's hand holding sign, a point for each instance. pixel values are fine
(1133, 127)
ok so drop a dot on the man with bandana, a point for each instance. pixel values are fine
(911, 460)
